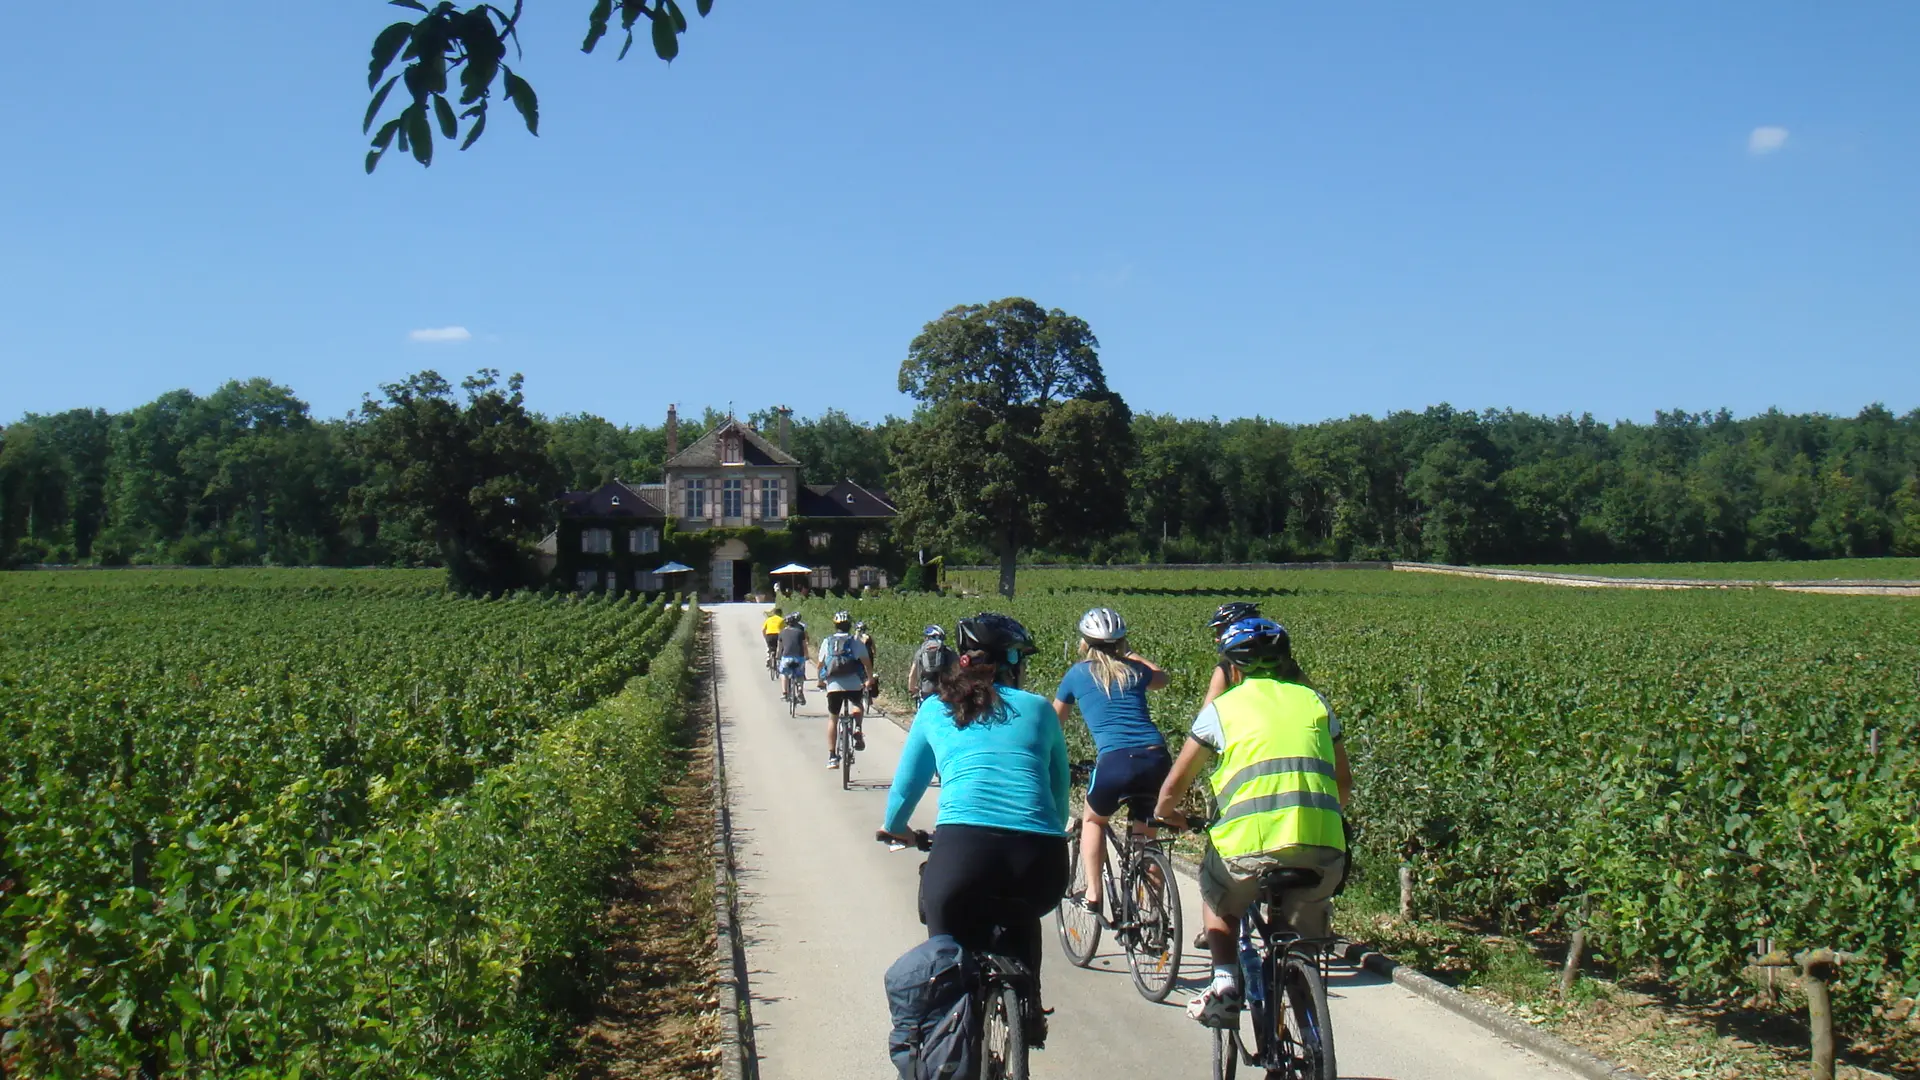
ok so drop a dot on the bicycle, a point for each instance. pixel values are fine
(1005, 999)
(773, 663)
(1286, 994)
(843, 748)
(793, 689)
(1143, 896)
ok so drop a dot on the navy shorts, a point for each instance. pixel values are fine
(1132, 776)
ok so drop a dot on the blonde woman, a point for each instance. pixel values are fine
(1110, 685)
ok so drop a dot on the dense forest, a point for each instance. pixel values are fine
(246, 475)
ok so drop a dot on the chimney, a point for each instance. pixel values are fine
(785, 413)
(673, 431)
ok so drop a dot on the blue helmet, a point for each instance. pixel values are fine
(1256, 645)
(934, 632)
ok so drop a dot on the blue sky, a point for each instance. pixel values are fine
(1295, 210)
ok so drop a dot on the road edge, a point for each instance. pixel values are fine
(738, 1058)
(1501, 1023)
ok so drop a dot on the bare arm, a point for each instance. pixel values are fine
(1343, 774)
(1186, 769)
(1216, 686)
(1060, 710)
(1158, 677)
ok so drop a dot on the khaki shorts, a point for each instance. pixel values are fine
(1229, 886)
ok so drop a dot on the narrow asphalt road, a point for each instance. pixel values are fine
(825, 909)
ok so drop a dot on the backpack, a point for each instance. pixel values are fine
(841, 661)
(936, 1033)
(933, 660)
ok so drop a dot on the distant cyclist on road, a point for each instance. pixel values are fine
(1224, 673)
(770, 629)
(865, 637)
(929, 660)
(844, 663)
(1110, 685)
(792, 644)
(999, 855)
(1281, 780)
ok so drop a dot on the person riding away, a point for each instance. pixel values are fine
(929, 660)
(865, 637)
(1224, 616)
(1110, 685)
(999, 857)
(793, 651)
(771, 627)
(843, 675)
(1281, 780)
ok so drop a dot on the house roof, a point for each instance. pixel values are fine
(755, 449)
(616, 499)
(845, 499)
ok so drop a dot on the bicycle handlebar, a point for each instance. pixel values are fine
(921, 839)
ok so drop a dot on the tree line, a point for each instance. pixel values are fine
(1016, 447)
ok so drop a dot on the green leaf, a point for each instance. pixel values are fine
(679, 17)
(449, 127)
(597, 24)
(665, 45)
(385, 48)
(373, 108)
(523, 99)
(628, 44)
(704, 7)
(419, 133)
(479, 125)
(414, 4)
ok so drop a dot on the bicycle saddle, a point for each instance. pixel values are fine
(1288, 878)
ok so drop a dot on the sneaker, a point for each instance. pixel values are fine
(859, 741)
(1090, 908)
(1218, 1006)
(1200, 941)
(833, 761)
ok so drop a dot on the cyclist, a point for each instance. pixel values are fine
(1281, 779)
(929, 660)
(1110, 685)
(865, 637)
(843, 675)
(1224, 616)
(999, 859)
(793, 652)
(771, 627)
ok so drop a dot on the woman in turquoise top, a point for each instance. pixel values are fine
(999, 859)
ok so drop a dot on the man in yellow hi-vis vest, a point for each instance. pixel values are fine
(1280, 780)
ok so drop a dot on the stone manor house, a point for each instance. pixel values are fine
(732, 506)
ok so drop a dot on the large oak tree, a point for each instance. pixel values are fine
(1016, 439)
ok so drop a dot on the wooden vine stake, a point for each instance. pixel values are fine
(1576, 949)
(1818, 967)
(1406, 893)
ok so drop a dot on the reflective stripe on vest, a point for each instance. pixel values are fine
(1274, 782)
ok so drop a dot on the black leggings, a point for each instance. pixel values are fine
(978, 878)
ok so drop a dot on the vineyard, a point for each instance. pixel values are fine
(322, 823)
(1697, 771)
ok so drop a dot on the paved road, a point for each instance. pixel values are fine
(825, 910)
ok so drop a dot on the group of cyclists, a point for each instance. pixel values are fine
(1279, 776)
(845, 670)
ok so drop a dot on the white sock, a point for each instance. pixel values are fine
(1225, 978)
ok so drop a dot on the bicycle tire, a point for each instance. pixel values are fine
(1226, 1055)
(1079, 929)
(1153, 949)
(1307, 1025)
(1004, 1037)
(846, 755)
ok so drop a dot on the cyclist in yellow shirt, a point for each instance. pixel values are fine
(770, 629)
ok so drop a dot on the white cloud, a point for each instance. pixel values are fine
(440, 333)
(1766, 140)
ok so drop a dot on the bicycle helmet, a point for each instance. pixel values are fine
(934, 632)
(1103, 625)
(999, 636)
(859, 628)
(794, 620)
(1231, 612)
(841, 619)
(1256, 645)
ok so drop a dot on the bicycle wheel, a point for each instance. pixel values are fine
(1079, 928)
(846, 755)
(1226, 1056)
(1305, 1027)
(1153, 948)
(1004, 1039)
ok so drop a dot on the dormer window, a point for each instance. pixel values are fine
(616, 500)
(730, 449)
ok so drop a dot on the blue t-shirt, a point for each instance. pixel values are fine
(1003, 771)
(1119, 721)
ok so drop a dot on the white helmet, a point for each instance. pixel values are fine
(1103, 624)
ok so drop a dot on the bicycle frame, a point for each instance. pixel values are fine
(1275, 947)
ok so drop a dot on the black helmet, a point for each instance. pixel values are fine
(999, 636)
(1256, 646)
(1231, 612)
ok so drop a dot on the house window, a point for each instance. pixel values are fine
(646, 581)
(696, 498)
(868, 577)
(869, 543)
(730, 450)
(586, 580)
(643, 541)
(770, 498)
(819, 541)
(733, 498)
(821, 578)
(596, 541)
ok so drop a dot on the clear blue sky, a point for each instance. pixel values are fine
(1291, 209)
